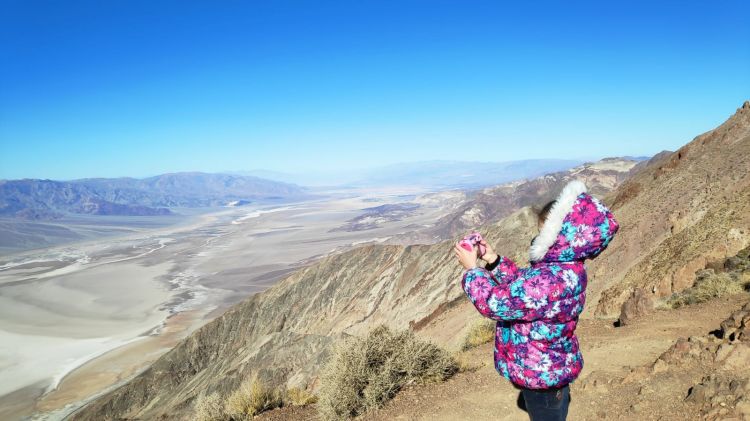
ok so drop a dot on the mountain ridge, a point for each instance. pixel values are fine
(51, 199)
(694, 203)
(496, 202)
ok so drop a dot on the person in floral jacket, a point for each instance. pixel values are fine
(537, 307)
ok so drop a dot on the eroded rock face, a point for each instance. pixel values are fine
(639, 304)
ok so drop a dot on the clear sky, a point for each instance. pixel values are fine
(130, 88)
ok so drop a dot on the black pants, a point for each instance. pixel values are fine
(547, 404)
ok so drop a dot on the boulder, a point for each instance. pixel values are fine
(639, 304)
(737, 326)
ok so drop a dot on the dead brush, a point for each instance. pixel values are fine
(250, 399)
(709, 285)
(481, 331)
(363, 373)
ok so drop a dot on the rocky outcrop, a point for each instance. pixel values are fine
(725, 391)
(639, 304)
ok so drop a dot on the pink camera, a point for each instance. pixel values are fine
(472, 240)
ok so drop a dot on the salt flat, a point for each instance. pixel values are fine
(78, 318)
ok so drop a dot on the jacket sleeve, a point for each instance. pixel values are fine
(503, 269)
(500, 294)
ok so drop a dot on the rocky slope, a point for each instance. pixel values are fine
(285, 332)
(682, 213)
(48, 199)
(478, 207)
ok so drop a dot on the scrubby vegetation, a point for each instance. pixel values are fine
(363, 373)
(210, 408)
(464, 362)
(732, 278)
(480, 332)
(299, 397)
(250, 399)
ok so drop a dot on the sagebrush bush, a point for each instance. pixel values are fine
(250, 399)
(481, 331)
(299, 397)
(709, 285)
(463, 362)
(363, 373)
(210, 408)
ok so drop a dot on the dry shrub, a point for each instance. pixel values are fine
(364, 373)
(463, 362)
(480, 332)
(709, 285)
(299, 397)
(250, 399)
(210, 408)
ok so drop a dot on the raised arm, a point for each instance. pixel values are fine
(503, 293)
(501, 268)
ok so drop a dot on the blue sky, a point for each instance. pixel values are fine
(128, 88)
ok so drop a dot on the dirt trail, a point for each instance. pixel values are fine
(610, 386)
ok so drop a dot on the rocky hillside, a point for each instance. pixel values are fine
(683, 212)
(495, 203)
(285, 332)
(47, 199)
(686, 208)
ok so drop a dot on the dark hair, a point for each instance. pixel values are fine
(542, 212)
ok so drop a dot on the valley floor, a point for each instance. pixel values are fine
(619, 381)
(78, 319)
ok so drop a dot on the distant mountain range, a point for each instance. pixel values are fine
(436, 174)
(39, 199)
(49, 199)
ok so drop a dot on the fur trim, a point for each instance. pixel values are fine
(553, 224)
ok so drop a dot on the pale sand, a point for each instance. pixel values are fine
(54, 326)
(98, 375)
(63, 309)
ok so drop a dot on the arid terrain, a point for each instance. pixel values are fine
(680, 213)
(630, 373)
(78, 318)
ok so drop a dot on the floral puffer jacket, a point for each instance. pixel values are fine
(537, 307)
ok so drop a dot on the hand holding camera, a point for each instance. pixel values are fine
(472, 247)
(473, 240)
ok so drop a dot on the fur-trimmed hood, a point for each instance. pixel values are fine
(577, 227)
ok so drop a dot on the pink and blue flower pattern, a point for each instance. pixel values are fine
(537, 307)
